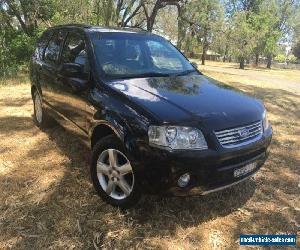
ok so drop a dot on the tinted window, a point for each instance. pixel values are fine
(134, 55)
(74, 51)
(52, 50)
(41, 44)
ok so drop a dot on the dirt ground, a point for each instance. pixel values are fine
(47, 201)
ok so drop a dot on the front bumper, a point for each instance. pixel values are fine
(225, 179)
(211, 170)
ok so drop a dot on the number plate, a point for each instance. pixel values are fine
(244, 170)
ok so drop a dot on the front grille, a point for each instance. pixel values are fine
(239, 136)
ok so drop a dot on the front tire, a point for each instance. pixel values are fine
(113, 175)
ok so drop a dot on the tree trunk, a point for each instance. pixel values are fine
(242, 63)
(204, 48)
(98, 12)
(269, 61)
(225, 54)
(180, 33)
(150, 25)
(203, 56)
(151, 18)
(256, 59)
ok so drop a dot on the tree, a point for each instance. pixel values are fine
(72, 11)
(281, 19)
(167, 23)
(117, 12)
(242, 37)
(296, 32)
(28, 13)
(242, 13)
(267, 32)
(205, 19)
(127, 10)
(222, 41)
(151, 8)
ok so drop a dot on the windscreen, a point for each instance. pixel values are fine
(122, 55)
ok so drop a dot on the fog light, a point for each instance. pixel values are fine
(184, 180)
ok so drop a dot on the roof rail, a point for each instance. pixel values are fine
(73, 25)
(79, 25)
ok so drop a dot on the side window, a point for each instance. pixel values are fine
(52, 50)
(74, 51)
(41, 44)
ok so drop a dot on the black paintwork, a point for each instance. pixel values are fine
(128, 106)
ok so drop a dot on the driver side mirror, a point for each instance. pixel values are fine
(72, 70)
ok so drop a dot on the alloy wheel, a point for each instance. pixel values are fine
(115, 174)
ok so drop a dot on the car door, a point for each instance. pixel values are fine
(75, 88)
(51, 89)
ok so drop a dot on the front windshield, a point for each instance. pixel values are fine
(122, 55)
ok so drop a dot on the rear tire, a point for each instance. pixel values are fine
(41, 118)
(113, 175)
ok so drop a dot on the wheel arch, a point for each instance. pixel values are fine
(101, 130)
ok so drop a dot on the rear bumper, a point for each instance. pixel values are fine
(210, 170)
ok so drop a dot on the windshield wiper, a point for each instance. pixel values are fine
(148, 74)
(153, 74)
(186, 72)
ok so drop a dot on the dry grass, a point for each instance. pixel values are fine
(47, 201)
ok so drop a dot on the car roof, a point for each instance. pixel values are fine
(92, 28)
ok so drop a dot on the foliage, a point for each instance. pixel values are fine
(27, 14)
(204, 19)
(98, 12)
(280, 58)
(167, 23)
(267, 32)
(292, 59)
(16, 48)
(243, 36)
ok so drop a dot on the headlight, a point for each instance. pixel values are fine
(265, 120)
(177, 137)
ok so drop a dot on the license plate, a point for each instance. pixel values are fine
(245, 170)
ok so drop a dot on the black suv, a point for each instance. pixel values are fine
(153, 121)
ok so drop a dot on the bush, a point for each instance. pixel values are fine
(292, 59)
(280, 58)
(15, 50)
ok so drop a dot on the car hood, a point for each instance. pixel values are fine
(186, 99)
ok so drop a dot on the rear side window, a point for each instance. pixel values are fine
(52, 50)
(41, 44)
